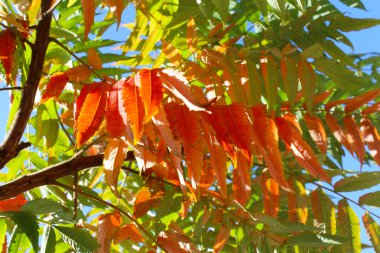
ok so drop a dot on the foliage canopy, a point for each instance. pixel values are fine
(215, 125)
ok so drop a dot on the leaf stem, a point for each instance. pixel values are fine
(62, 126)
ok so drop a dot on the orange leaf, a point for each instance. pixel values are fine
(151, 91)
(13, 204)
(172, 53)
(271, 195)
(317, 131)
(221, 239)
(297, 202)
(191, 35)
(94, 59)
(175, 82)
(174, 242)
(88, 7)
(359, 101)
(108, 225)
(55, 86)
(116, 118)
(266, 137)
(242, 179)
(371, 138)
(90, 108)
(128, 232)
(354, 137)
(7, 53)
(114, 156)
(338, 132)
(291, 136)
(79, 73)
(145, 200)
(134, 107)
(371, 109)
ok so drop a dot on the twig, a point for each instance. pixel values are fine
(76, 57)
(62, 126)
(112, 206)
(52, 8)
(347, 198)
(11, 88)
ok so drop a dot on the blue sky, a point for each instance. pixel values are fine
(363, 41)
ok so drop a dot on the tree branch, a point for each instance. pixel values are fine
(11, 147)
(48, 175)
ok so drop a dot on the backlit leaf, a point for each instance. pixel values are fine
(371, 138)
(172, 53)
(90, 108)
(7, 53)
(373, 231)
(323, 211)
(370, 199)
(317, 131)
(150, 90)
(300, 149)
(221, 239)
(354, 137)
(338, 132)
(13, 204)
(79, 73)
(348, 226)
(191, 35)
(271, 195)
(94, 59)
(88, 7)
(114, 156)
(308, 81)
(108, 225)
(271, 79)
(290, 78)
(28, 224)
(128, 232)
(145, 200)
(357, 182)
(297, 202)
(55, 86)
(80, 240)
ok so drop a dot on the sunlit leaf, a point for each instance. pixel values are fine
(373, 231)
(108, 225)
(191, 35)
(88, 7)
(348, 226)
(7, 53)
(55, 86)
(13, 204)
(94, 59)
(128, 232)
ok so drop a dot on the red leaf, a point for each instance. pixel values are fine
(271, 195)
(151, 91)
(7, 53)
(55, 86)
(242, 179)
(338, 132)
(13, 204)
(128, 232)
(266, 137)
(371, 109)
(108, 225)
(291, 136)
(371, 138)
(175, 82)
(317, 131)
(116, 118)
(221, 239)
(134, 107)
(90, 108)
(354, 137)
(114, 156)
(88, 7)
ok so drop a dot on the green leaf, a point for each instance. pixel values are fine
(42, 206)
(357, 182)
(323, 211)
(370, 199)
(222, 7)
(3, 231)
(59, 32)
(315, 51)
(308, 81)
(57, 54)
(19, 241)
(349, 227)
(255, 83)
(80, 47)
(373, 231)
(347, 24)
(309, 239)
(80, 240)
(343, 78)
(336, 53)
(354, 3)
(49, 240)
(28, 224)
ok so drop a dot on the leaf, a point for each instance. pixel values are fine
(145, 200)
(308, 239)
(371, 109)
(174, 242)
(134, 107)
(128, 232)
(317, 131)
(242, 179)
(79, 239)
(354, 4)
(354, 137)
(78, 74)
(94, 59)
(175, 82)
(271, 197)
(90, 108)
(323, 211)
(347, 24)
(48, 240)
(371, 138)
(297, 202)
(150, 90)
(348, 226)
(28, 224)
(358, 101)
(13, 204)
(18, 242)
(370, 199)
(221, 239)
(300, 149)
(338, 132)
(55, 86)
(191, 35)
(357, 182)
(42, 206)
(7, 53)
(108, 225)
(172, 53)
(271, 80)
(116, 117)
(88, 7)
(373, 231)
(114, 156)
(266, 137)
(290, 78)
(253, 87)
(308, 81)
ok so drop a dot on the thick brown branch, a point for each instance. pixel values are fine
(48, 175)
(10, 147)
